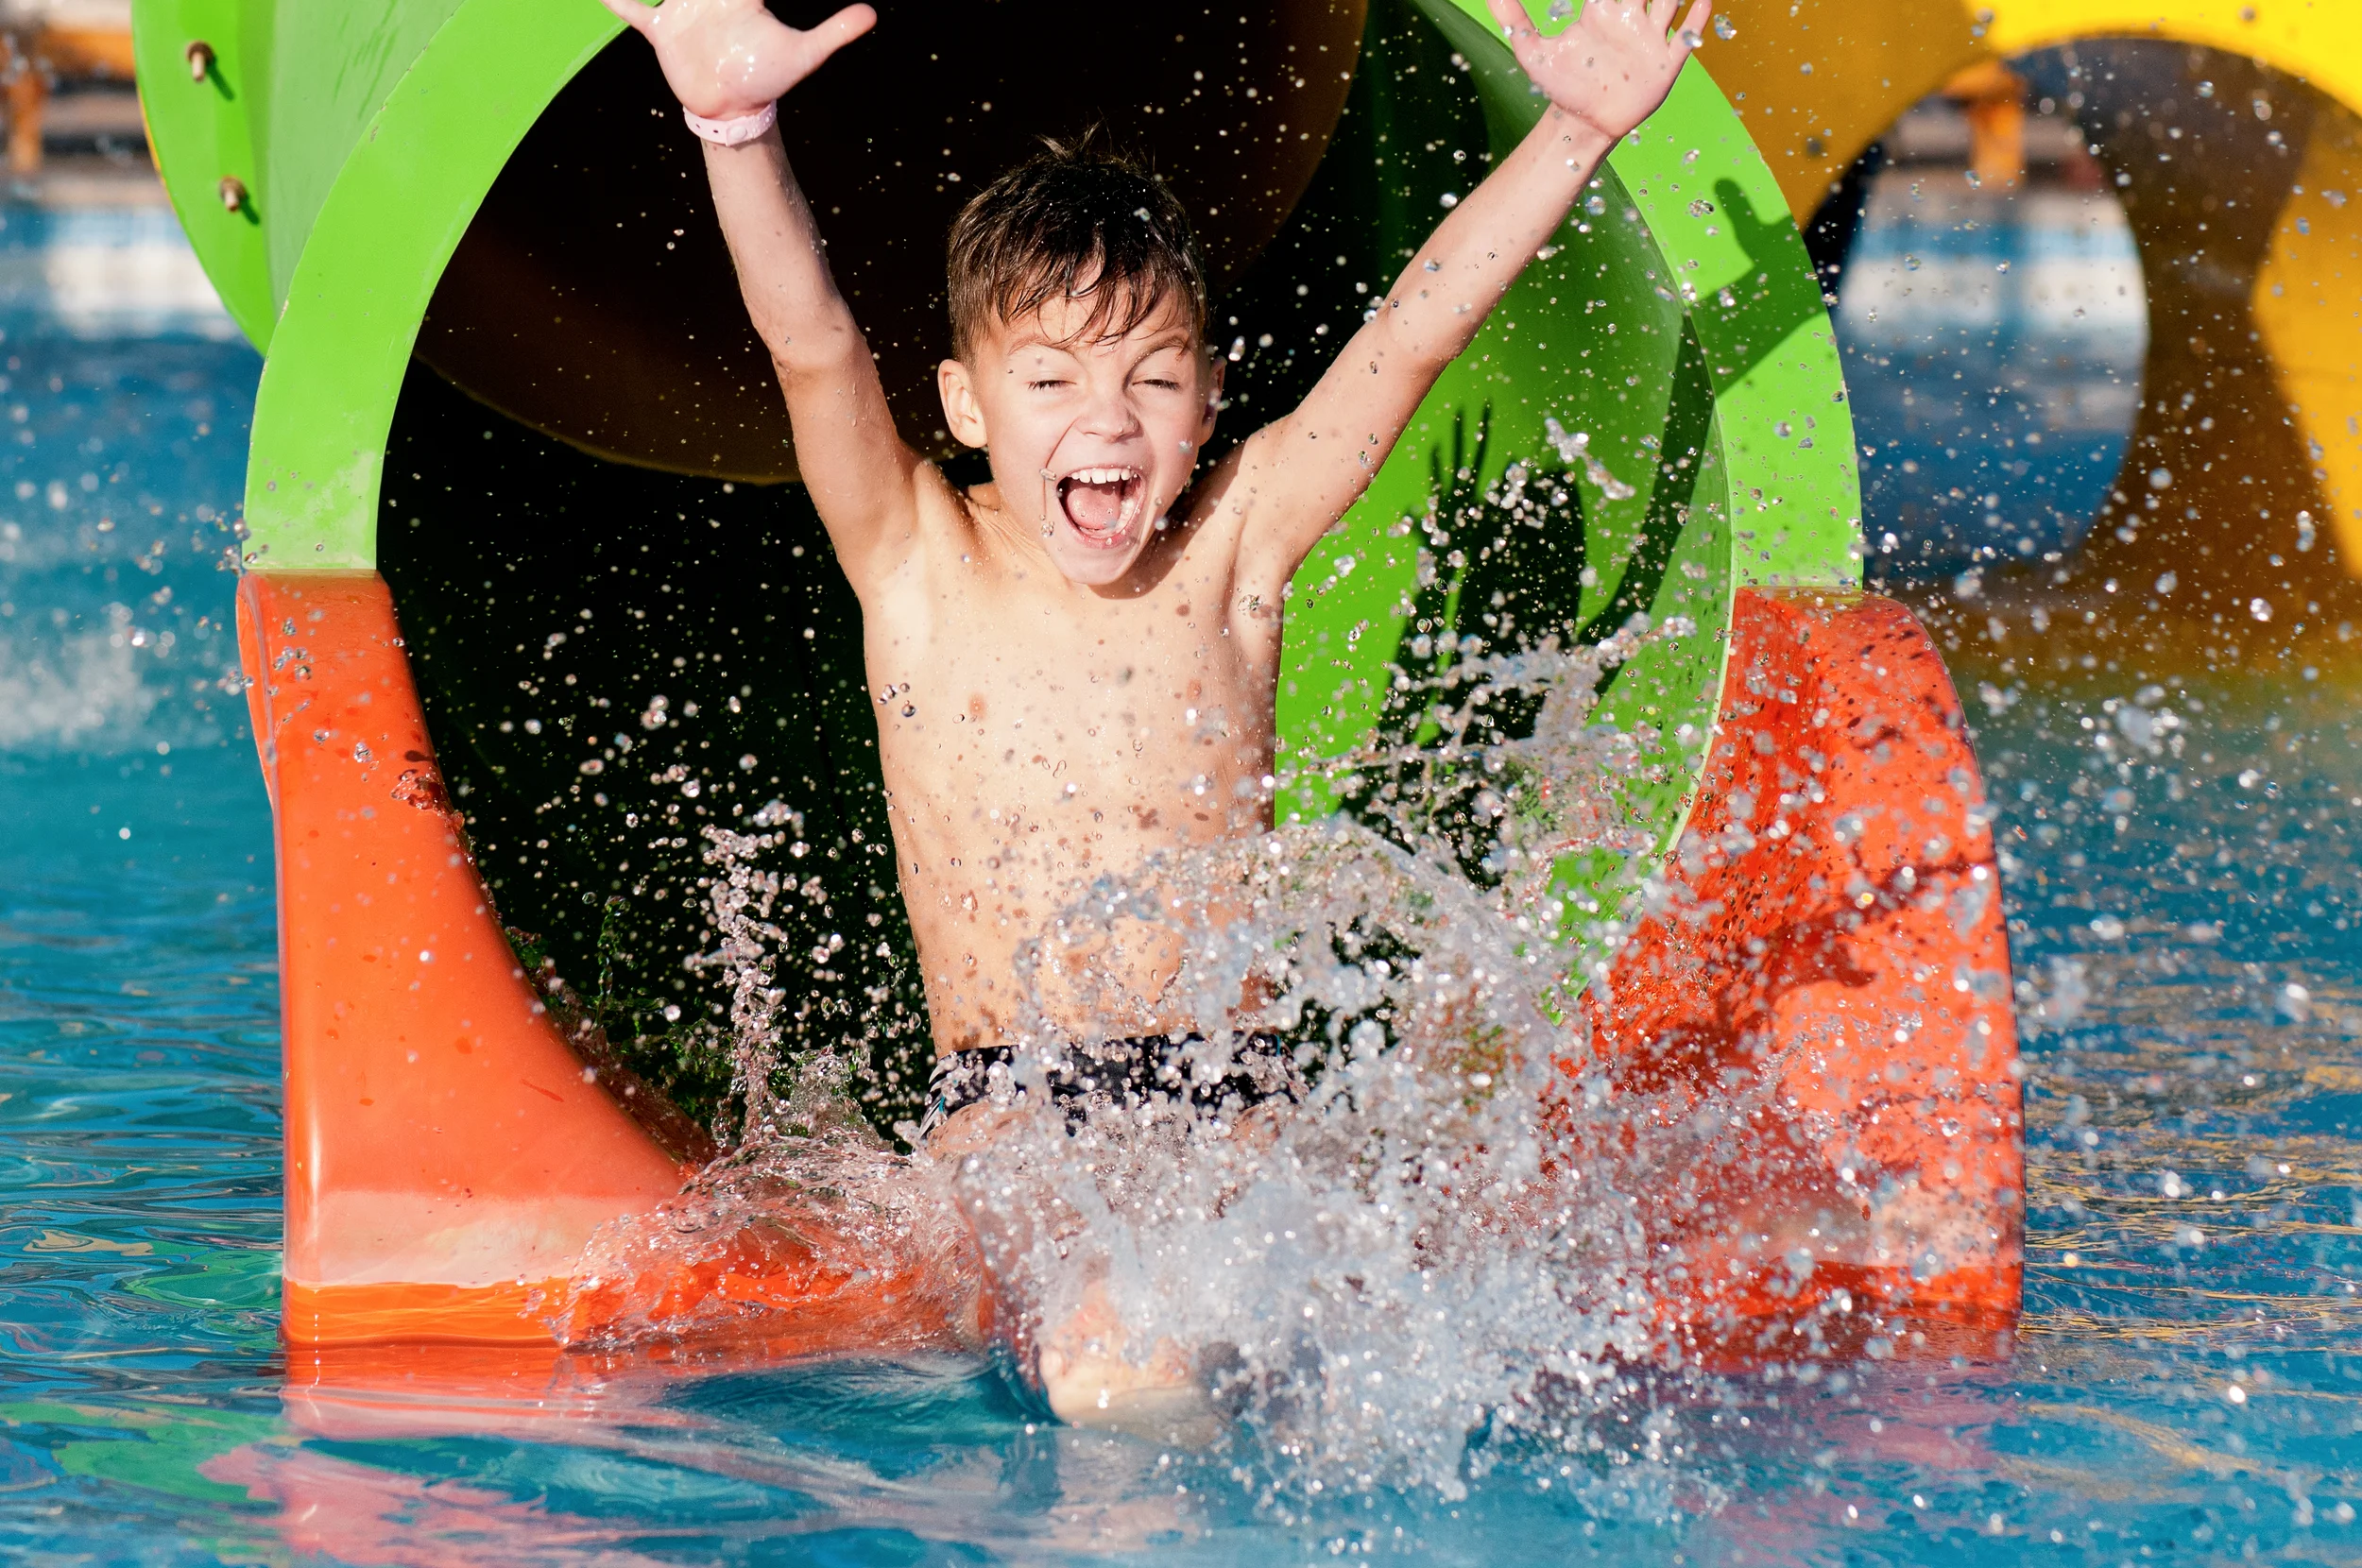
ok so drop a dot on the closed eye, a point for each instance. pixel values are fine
(1044, 386)
(1162, 382)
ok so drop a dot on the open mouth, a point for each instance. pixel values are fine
(1102, 504)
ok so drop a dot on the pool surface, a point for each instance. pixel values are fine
(2183, 895)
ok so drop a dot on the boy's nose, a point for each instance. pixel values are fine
(1110, 414)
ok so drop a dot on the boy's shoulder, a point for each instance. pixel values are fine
(1245, 495)
(1231, 488)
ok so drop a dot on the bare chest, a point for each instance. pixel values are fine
(1126, 723)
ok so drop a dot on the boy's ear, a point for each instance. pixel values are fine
(962, 413)
(1213, 398)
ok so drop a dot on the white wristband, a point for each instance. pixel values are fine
(734, 132)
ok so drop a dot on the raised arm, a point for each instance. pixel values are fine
(728, 60)
(1605, 75)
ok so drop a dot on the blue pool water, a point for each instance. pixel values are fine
(2191, 992)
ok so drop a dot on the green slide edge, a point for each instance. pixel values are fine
(416, 153)
(199, 131)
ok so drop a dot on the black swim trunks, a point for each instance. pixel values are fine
(1125, 1073)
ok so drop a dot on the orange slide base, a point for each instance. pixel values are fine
(446, 1151)
(449, 1155)
(1835, 959)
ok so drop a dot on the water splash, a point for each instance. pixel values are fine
(810, 1208)
(1411, 1254)
(815, 1240)
(742, 895)
(1576, 448)
(1445, 1251)
(72, 689)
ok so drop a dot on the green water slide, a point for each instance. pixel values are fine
(505, 368)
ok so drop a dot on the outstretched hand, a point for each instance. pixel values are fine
(1613, 64)
(724, 59)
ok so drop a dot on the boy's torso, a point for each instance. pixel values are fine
(1034, 738)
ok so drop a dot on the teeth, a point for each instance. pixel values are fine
(1103, 476)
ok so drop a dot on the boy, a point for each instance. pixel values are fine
(1075, 664)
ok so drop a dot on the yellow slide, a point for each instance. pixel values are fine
(1818, 80)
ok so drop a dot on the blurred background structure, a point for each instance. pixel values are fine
(88, 244)
(1996, 330)
(67, 69)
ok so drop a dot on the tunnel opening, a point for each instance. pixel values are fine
(1993, 319)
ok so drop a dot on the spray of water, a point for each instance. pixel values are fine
(1437, 1238)
(1445, 1246)
(809, 1208)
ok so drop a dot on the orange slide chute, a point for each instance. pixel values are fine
(1839, 936)
(447, 1154)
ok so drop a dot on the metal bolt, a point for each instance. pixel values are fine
(201, 57)
(233, 191)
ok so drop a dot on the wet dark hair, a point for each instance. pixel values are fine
(1079, 222)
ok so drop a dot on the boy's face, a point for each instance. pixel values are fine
(1090, 441)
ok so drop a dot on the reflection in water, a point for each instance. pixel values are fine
(420, 1456)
